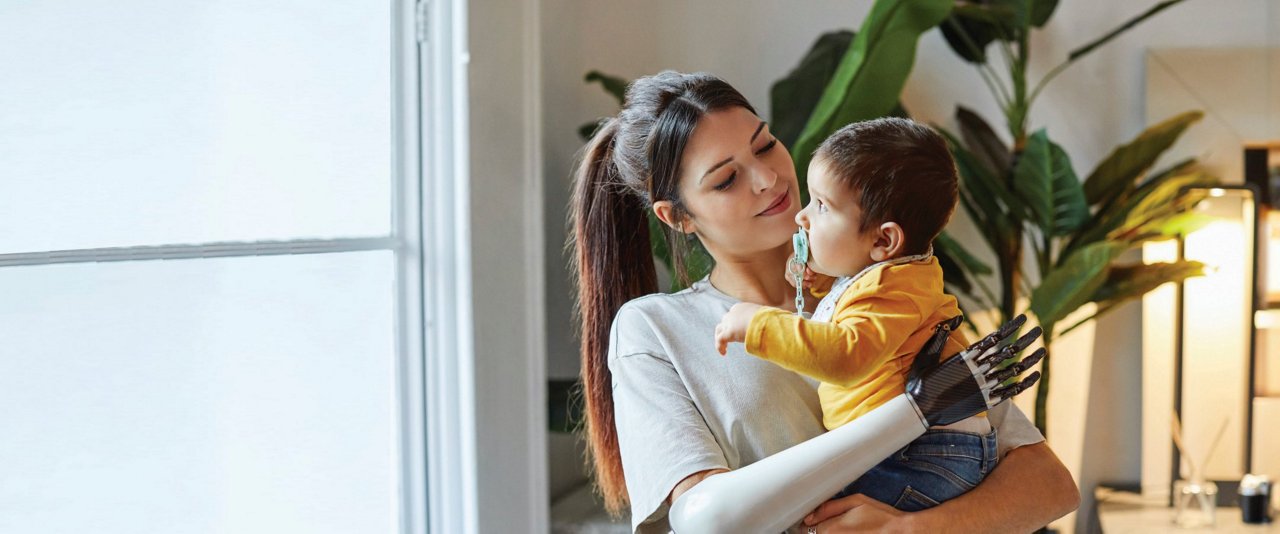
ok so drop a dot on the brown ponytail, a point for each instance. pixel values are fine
(612, 235)
(632, 161)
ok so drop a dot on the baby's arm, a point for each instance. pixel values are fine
(864, 335)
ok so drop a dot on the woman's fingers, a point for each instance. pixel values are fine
(836, 507)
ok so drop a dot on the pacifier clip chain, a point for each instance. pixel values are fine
(795, 267)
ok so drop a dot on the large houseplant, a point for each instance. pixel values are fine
(1057, 241)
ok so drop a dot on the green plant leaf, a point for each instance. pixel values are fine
(1045, 180)
(588, 130)
(959, 267)
(794, 97)
(995, 203)
(1120, 171)
(953, 275)
(615, 86)
(972, 26)
(1093, 45)
(948, 245)
(983, 142)
(1073, 283)
(1131, 281)
(612, 84)
(1164, 210)
(1181, 223)
(872, 72)
(1156, 198)
(1041, 10)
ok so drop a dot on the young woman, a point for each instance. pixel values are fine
(664, 409)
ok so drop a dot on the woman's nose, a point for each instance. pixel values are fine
(763, 178)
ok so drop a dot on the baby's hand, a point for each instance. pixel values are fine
(733, 326)
(816, 283)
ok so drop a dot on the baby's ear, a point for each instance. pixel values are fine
(890, 242)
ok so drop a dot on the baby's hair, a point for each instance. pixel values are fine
(900, 171)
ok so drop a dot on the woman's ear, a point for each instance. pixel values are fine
(890, 242)
(666, 212)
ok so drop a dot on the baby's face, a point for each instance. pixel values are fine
(832, 218)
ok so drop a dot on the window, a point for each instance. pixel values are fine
(209, 267)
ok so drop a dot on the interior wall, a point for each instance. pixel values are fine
(508, 373)
(1089, 109)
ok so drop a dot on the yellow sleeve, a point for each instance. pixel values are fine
(863, 335)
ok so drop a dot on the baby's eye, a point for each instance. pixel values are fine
(822, 208)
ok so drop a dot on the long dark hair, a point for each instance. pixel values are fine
(632, 161)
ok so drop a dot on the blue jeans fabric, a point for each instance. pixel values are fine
(940, 465)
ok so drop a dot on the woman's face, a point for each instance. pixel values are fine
(738, 184)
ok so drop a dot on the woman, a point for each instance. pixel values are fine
(664, 409)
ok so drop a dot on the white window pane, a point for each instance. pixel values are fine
(145, 122)
(245, 395)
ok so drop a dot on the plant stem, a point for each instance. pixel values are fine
(984, 69)
(1042, 390)
(986, 291)
(1010, 276)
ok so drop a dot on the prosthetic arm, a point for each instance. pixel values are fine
(776, 492)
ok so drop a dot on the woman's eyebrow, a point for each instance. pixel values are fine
(725, 161)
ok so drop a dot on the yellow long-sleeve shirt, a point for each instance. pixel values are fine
(863, 354)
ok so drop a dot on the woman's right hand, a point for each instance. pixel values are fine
(857, 513)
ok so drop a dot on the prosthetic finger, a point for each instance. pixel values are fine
(1010, 351)
(999, 335)
(1016, 368)
(1009, 391)
(994, 357)
(932, 350)
(1027, 339)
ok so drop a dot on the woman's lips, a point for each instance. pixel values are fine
(779, 205)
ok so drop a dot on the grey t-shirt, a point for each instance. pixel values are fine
(680, 407)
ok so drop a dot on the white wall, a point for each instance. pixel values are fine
(505, 190)
(1091, 108)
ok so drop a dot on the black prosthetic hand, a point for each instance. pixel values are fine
(969, 383)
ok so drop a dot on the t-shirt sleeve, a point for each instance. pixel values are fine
(1013, 429)
(662, 435)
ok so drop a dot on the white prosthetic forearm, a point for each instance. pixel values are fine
(776, 492)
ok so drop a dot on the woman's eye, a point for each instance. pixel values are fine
(728, 182)
(767, 147)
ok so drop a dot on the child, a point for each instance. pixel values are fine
(880, 192)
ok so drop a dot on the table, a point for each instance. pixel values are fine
(1128, 512)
